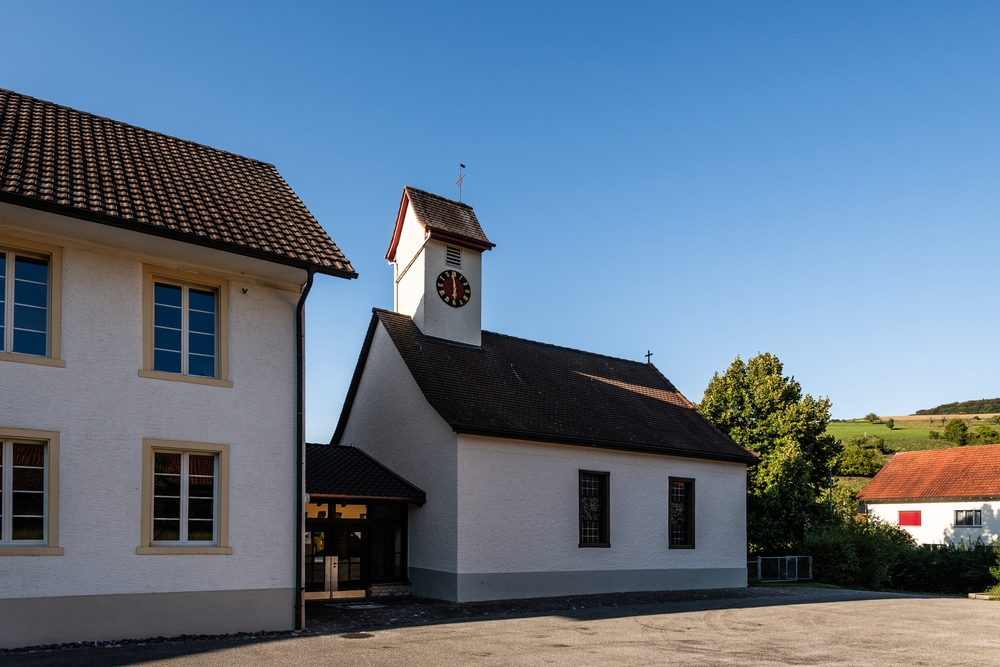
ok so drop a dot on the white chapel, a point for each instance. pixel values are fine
(520, 469)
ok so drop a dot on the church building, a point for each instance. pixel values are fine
(526, 469)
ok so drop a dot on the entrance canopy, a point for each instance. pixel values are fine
(335, 472)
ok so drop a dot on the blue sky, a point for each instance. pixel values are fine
(817, 180)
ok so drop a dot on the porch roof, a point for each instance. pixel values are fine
(337, 472)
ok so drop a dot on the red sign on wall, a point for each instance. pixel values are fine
(910, 518)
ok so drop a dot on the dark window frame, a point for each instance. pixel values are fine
(604, 491)
(973, 515)
(689, 492)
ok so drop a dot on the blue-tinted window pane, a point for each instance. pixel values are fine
(29, 342)
(167, 339)
(168, 295)
(201, 322)
(30, 318)
(167, 316)
(203, 301)
(169, 362)
(201, 344)
(34, 270)
(30, 294)
(203, 366)
(3, 295)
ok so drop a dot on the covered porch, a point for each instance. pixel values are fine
(356, 525)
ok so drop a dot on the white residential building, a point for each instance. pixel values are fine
(940, 496)
(150, 308)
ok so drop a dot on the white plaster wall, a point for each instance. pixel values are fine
(519, 509)
(410, 292)
(464, 324)
(103, 410)
(938, 520)
(408, 269)
(391, 420)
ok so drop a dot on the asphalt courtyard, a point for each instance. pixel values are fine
(775, 626)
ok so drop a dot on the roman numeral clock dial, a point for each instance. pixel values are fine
(454, 289)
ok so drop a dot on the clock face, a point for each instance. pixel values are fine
(453, 288)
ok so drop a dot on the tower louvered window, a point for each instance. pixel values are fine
(453, 255)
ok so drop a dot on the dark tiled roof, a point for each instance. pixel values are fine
(347, 472)
(452, 217)
(520, 389)
(77, 164)
(960, 472)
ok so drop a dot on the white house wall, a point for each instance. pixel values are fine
(518, 522)
(937, 520)
(391, 420)
(103, 410)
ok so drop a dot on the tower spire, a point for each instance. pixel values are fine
(461, 178)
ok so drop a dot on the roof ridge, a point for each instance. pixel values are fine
(534, 342)
(135, 127)
(436, 196)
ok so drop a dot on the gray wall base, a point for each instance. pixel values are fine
(433, 584)
(58, 620)
(508, 585)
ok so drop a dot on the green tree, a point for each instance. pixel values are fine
(872, 417)
(767, 413)
(891, 423)
(984, 435)
(956, 431)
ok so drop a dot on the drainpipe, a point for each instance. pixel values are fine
(300, 454)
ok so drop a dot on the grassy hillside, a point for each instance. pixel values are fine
(907, 436)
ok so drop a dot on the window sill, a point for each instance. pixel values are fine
(191, 379)
(31, 551)
(184, 551)
(32, 359)
(591, 545)
(681, 546)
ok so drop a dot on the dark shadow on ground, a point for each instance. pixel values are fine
(328, 617)
(367, 615)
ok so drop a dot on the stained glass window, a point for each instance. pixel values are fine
(594, 509)
(681, 513)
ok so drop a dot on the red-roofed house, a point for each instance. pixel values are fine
(940, 496)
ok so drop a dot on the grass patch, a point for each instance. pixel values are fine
(909, 435)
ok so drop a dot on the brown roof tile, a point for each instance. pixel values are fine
(523, 390)
(960, 472)
(86, 166)
(445, 219)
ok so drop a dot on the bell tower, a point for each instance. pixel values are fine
(437, 257)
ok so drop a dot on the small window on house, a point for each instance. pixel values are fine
(594, 524)
(968, 517)
(29, 493)
(453, 255)
(909, 518)
(184, 497)
(24, 303)
(184, 327)
(681, 513)
(184, 330)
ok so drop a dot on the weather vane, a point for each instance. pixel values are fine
(461, 177)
